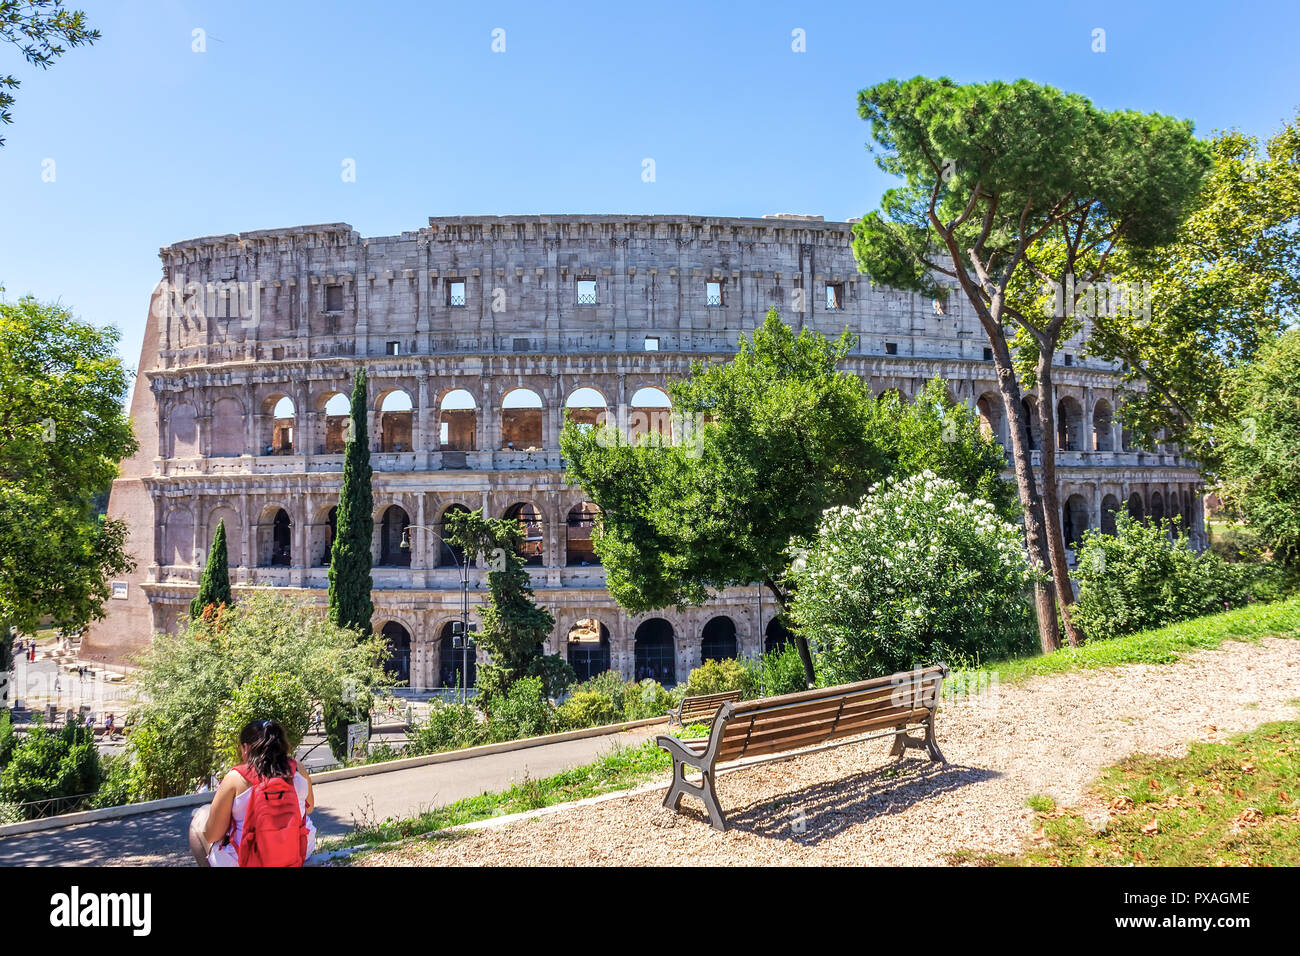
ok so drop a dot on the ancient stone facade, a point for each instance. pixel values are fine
(477, 335)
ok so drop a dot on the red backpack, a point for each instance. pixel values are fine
(274, 833)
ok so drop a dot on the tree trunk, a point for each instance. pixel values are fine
(1051, 497)
(1049, 634)
(800, 643)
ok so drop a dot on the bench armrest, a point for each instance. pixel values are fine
(679, 751)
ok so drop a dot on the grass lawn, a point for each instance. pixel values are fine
(1231, 804)
(621, 769)
(1164, 645)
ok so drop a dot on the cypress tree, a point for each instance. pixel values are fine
(214, 586)
(350, 604)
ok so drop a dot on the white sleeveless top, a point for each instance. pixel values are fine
(228, 855)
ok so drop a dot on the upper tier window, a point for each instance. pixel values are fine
(586, 292)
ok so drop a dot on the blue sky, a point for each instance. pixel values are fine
(153, 142)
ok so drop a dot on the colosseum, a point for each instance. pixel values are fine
(479, 334)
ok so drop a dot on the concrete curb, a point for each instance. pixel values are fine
(346, 773)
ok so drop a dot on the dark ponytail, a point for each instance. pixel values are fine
(268, 750)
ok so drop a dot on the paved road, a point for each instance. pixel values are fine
(158, 839)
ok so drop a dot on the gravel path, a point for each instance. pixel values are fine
(854, 805)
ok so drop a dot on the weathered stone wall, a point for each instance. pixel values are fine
(255, 335)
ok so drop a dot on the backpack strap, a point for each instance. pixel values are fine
(248, 773)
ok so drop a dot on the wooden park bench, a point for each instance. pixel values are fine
(694, 710)
(881, 707)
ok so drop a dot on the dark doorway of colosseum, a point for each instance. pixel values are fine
(521, 421)
(656, 656)
(281, 546)
(1135, 509)
(530, 526)
(579, 549)
(391, 552)
(1157, 506)
(450, 660)
(718, 642)
(1069, 425)
(1103, 427)
(1109, 505)
(1074, 520)
(777, 636)
(449, 556)
(1030, 408)
(399, 652)
(395, 422)
(588, 648)
(331, 530)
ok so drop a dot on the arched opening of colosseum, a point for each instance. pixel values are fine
(1157, 506)
(650, 416)
(398, 640)
(234, 539)
(1033, 433)
(395, 413)
(274, 538)
(586, 408)
(279, 436)
(1103, 427)
(1136, 511)
(656, 654)
(178, 537)
(391, 528)
(1074, 520)
(530, 525)
(1069, 424)
(893, 395)
(182, 433)
(227, 428)
(579, 550)
(451, 660)
(336, 412)
(521, 420)
(718, 640)
(449, 555)
(1126, 439)
(776, 636)
(1109, 505)
(587, 648)
(989, 408)
(323, 530)
(457, 421)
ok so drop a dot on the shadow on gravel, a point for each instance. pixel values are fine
(819, 812)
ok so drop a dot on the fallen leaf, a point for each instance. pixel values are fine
(1152, 828)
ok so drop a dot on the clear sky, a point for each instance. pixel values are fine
(153, 142)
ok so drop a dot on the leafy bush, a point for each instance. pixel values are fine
(555, 672)
(523, 711)
(1147, 575)
(780, 671)
(8, 739)
(714, 677)
(608, 683)
(649, 699)
(115, 784)
(587, 708)
(448, 727)
(918, 573)
(47, 765)
(276, 696)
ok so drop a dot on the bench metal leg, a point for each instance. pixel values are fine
(704, 790)
(903, 740)
(931, 745)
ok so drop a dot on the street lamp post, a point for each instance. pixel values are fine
(462, 565)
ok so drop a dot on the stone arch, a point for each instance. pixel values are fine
(776, 635)
(586, 646)
(1136, 509)
(1033, 433)
(1157, 506)
(451, 660)
(650, 415)
(447, 554)
(274, 538)
(279, 414)
(391, 527)
(1109, 505)
(522, 411)
(586, 407)
(579, 525)
(395, 412)
(182, 432)
(234, 534)
(655, 652)
(718, 640)
(457, 421)
(398, 640)
(532, 526)
(1074, 520)
(989, 409)
(334, 408)
(1103, 426)
(178, 537)
(1069, 424)
(227, 439)
(324, 527)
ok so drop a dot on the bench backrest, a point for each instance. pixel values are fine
(706, 705)
(811, 717)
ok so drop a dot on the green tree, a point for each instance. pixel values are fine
(1227, 285)
(62, 433)
(60, 766)
(1011, 189)
(350, 602)
(1259, 445)
(39, 28)
(214, 585)
(779, 435)
(514, 627)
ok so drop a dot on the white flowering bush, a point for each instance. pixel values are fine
(918, 573)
